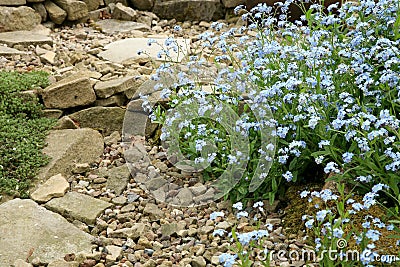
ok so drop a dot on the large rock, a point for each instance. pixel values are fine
(6, 51)
(56, 13)
(78, 206)
(146, 5)
(24, 38)
(75, 9)
(25, 226)
(189, 10)
(75, 90)
(111, 26)
(127, 49)
(12, 2)
(55, 186)
(66, 147)
(18, 18)
(108, 88)
(105, 119)
(233, 3)
(122, 12)
(92, 4)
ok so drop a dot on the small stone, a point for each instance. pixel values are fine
(80, 168)
(199, 262)
(153, 211)
(22, 263)
(121, 200)
(55, 186)
(114, 252)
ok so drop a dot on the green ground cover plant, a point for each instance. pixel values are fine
(22, 131)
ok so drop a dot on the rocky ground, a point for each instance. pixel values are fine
(107, 216)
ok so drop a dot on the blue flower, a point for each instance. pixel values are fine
(220, 232)
(347, 156)
(227, 259)
(216, 214)
(238, 205)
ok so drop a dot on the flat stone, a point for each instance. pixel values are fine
(7, 51)
(55, 186)
(105, 119)
(24, 38)
(153, 211)
(75, 9)
(111, 26)
(137, 230)
(25, 225)
(127, 49)
(73, 91)
(78, 206)
(22, 263)
(108, 88)
(67, 147)
(63, 263)
(117, 179)
(122, 12)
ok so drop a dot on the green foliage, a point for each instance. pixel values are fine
(22, 131)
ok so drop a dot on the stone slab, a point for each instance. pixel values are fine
(127, 49)
(66, 147)
(55, 186)
(78, 207)
(7, 51)
(111, 26)
(24, 38)
(25, 225)
(12, 2)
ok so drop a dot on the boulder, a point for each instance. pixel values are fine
(104, 119)
(66, 147)
(145, 5)
(56, 13)
(189, 10)
(18, 18)
(122, 12)
(12, 2)
(78, 206)
(92, 4)
(25, 225)
(55, 186)
(75, 90)
(75, 9)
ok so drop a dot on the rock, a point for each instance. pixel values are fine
(155, 183)
(80, 168)
(55, 186)
(114, 252)
(111, 26)
(66, 147)
(65, 123)
(146, 5)
(25, 225)
(52, 113)
(6, 51)
(63, 263)
(24, 38)
(92, 4)
(56, 13)
(199, 262)
(115, 100)
(127, 49)
(105, 119)
(12, 2)
(111, 87)
(78, 206)
(137, 230)
(169, 229)
(22, 263)
(189, 10)
(118, 178)
(233, 3)
(122, 12)
(49, 57)
(75, 9)
(41, 10)
(185, 197)
(112, 139)
(18, 18)
(153, 211)
(75, 90)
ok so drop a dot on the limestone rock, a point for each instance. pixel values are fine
(22, 263)
(78, 206)
(233, 3)
(104, 119)
(24, 38)
(113, 26)
(25, 225)
(75, 90)
(55, 186)
(56, 13)
(188, 10)
(111, 87)
(117, 179)
(153, 211)
(122, 12)
(65, 147)
(12, 2)
(75, 9)
(6, 51)
(115, 100)
(41, 10)
(92, 4)
(127, 49)
(18, 18)
(146, 5)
